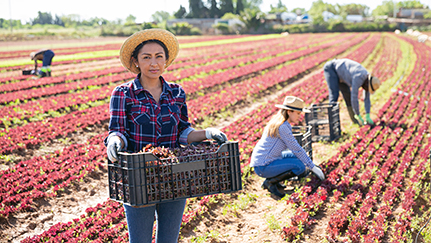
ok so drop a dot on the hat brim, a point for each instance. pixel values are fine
(369, 88)
(298, 109)
(130, 44)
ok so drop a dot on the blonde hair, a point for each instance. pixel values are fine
(276, 121)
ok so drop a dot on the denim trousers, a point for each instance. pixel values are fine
(168, 218)
(289, 162)
(47, 58)
(334, 84)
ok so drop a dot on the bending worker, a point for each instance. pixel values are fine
(278, 155)
(44, 55)
(348, 76)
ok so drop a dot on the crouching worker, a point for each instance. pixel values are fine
(278, 155)
(44, 55)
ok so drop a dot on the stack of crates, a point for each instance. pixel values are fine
(304, 138)
(141, 179)
(325, 121)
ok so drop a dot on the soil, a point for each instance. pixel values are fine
(258, 217)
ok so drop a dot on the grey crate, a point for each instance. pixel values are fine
(325, 121)
(304, 138)
(140, 179)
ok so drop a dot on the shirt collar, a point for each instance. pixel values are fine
(137, 86)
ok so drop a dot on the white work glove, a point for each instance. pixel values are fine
(114, 146)
(318, 172)
(214, 133)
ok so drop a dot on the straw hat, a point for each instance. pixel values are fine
(137, 38)
(293, 103)
(373, 83)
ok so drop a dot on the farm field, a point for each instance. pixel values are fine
(53, 164)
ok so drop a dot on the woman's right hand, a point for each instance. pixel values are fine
(318, 172)
(114, 146)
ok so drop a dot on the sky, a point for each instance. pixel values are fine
(141, 9)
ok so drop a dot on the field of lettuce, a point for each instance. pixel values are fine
(53, 164)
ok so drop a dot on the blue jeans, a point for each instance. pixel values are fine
(334, 85)
(168, 215)
(289, 162)
(47, 58)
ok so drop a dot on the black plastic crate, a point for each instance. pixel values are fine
(26, 72)
(325, 121)
(303, 136)
(142, 178)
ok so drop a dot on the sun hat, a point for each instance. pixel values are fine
(293, 103)
(373, 83)
(130, 44)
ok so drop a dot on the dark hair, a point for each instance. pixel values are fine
(138, 48)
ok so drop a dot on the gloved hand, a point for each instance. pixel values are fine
(318, 172)
(359, 119)
(114, 146)
(368, 119)
(214, 133)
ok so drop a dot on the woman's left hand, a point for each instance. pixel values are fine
(216, 134)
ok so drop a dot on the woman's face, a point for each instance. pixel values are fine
(294, 116)
(151, 60)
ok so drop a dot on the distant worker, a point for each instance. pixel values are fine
(348, 76)
(44, 55)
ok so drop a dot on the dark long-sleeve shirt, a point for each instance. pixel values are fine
(139, 120)
(354, 75)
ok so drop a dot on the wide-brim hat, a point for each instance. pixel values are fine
(130, 44)
(293, 103)
(373, 83)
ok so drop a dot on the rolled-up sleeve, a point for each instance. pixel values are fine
(293, 145)
(184, 126)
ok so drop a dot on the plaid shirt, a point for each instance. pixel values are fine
(139, 120)
(269, 148)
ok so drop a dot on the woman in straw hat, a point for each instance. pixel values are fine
(348, 76)
(149, 110)
(278, 155)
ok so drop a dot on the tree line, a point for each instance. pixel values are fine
(247, 11)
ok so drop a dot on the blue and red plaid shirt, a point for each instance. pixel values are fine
(139, 120)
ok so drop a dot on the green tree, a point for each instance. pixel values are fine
(197, 9)
(71, 20)
(180, 13)
(316, 11)
(239, 6)
(58, 21)
(160, 16)
(353, 8)
(5, 23)
(214, 11)
(252, 18)
(42, 18)
(299, 11)
(252, 4)
(410, 4)
(226, 6)
(130, 20)
(231, 16)
(279, 8)
(386, 8)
